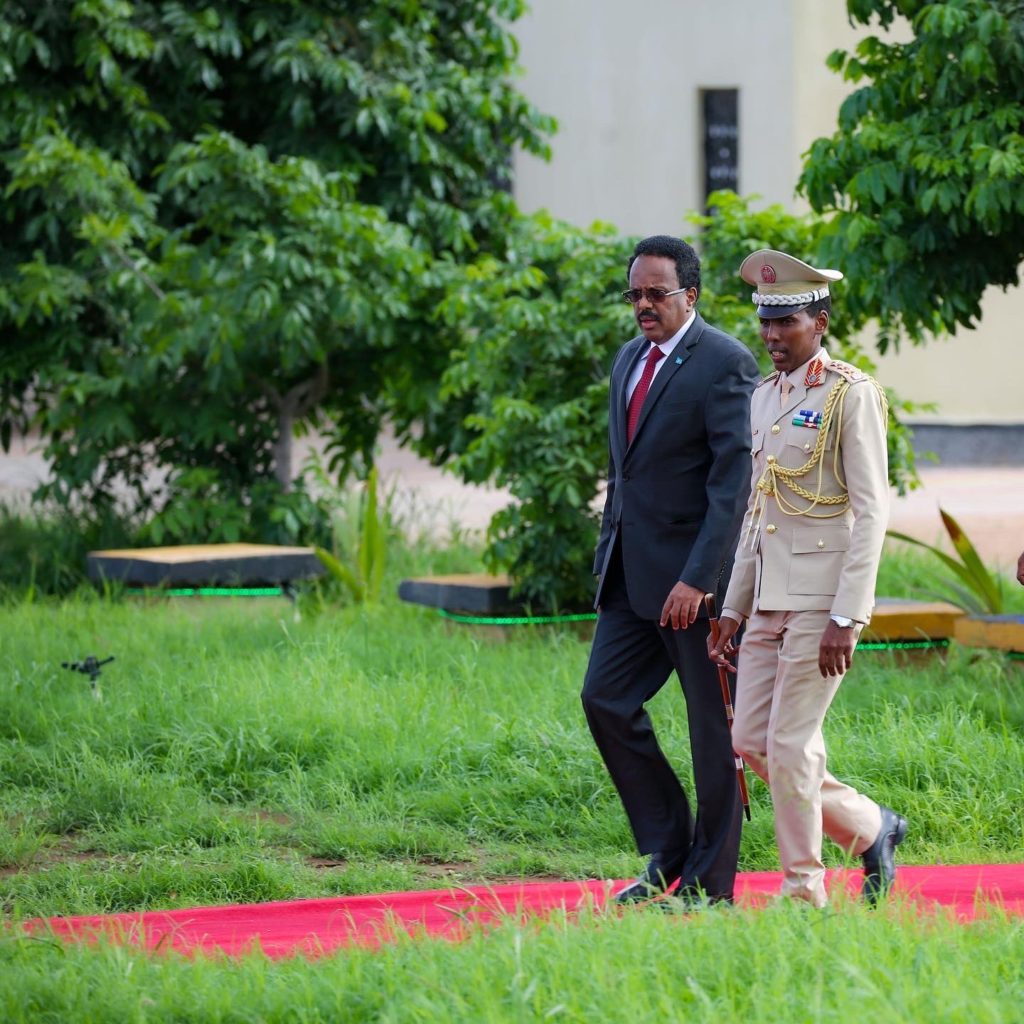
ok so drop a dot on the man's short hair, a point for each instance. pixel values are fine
(681, 253)
(815, 308)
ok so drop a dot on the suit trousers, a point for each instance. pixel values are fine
(781, 701)
(630, 661)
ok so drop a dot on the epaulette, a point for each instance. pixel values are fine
(853, 375)
(847, 370)
(770, 379)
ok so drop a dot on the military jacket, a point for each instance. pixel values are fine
(815, 522)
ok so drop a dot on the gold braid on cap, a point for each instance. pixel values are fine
(775, 476)
(778, 299)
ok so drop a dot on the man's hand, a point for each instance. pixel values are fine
(835, 655)
(721, 652)
(681, 605)
(1020, 569)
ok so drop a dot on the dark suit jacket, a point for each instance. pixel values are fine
(676, 495)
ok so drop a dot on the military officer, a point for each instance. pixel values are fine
(804, 577)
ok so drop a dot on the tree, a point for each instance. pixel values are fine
(227, 222)
(921, 181)
(538, 336)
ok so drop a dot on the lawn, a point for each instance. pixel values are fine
(239, 753)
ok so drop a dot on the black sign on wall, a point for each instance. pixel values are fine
(721, 140)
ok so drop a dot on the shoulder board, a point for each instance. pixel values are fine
(847, 370)
(770, 379)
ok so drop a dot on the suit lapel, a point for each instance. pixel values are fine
(619, 392)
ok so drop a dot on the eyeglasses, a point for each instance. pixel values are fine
(634, 295)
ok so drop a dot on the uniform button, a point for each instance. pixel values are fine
(807, 447)
(821, 543)
(770, 528)
(753, 451)
(776, 428)
(771, 458)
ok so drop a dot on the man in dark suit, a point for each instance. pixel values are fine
(678, 478)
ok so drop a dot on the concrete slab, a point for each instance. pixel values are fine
(205, 565)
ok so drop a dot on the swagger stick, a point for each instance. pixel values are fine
(723, 682)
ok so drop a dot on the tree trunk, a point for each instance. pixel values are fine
(283, 448)
(295, 403)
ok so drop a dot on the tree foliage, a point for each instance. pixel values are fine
(921, 181)
(226, 222)
(538, 337)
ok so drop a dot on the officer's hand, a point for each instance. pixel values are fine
(721, 652)
(681, 605)
(835, 655)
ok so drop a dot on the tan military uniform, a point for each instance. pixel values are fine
(810, 546)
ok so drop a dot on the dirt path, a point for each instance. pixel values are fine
(988, 502)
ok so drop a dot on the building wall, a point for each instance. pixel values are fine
(624, 82)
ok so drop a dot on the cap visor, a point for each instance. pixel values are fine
(777, 312)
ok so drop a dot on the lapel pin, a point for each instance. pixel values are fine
(679, 360)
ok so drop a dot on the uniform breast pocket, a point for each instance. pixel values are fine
(801, 443)
(816, 561)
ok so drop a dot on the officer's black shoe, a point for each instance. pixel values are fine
(662, 870)
(880, 857)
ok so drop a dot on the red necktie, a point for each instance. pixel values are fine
(636, 400)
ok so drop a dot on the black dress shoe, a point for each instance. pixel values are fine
(661, 871)
(880, 857)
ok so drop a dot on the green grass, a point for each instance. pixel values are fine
(239, 755)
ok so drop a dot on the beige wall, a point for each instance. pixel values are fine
(973, 377)
(624, 81)
(819, 27)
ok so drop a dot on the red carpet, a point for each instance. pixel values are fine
(315, 927)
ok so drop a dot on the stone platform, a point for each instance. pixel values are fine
(477, 594)
(462, 593)
(204, 565)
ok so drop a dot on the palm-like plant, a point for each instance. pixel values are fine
(974, 588)
(365, 578)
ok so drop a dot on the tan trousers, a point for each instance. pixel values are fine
(781, 701)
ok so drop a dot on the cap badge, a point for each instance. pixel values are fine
(768, 274)
(815, 373)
